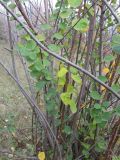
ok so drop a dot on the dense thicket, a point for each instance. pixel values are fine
(72, 53)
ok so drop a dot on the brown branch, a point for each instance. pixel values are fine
(113, 140)
(21, 9)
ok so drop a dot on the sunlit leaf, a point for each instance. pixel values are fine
(41, 37)
(70, 88)
(82, 25)
(103, 88)
(41, 155)
(76, 78)
(105, 70)
(61, 81)
(62, 72)
(74, 3)
(73, 107)
(65, 98)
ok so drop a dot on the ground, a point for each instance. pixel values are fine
(15, 113)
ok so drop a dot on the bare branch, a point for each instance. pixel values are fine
(112, 11)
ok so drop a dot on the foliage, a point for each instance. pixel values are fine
(81, 112)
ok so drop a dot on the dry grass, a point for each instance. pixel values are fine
(15, 113)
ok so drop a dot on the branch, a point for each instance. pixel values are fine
(21, 9)
(57, 56)
(112, 11)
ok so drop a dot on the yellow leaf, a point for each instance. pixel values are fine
(102, 88)
(41, 155)
(105, 70)
(118, 28)
(110, 76)
(113, 64)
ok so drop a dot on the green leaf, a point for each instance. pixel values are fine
(116, 158)
(73, 70)
(97, 106)
(35, 73)
(101, 144)
(46, 62)
(98, 119)
(48, 75)
(36, 50)
(94, 112)
(12, 6)
(73, 107)
(76, 78)
(41, 37)
(45, 27)
(30, 45)
(82, 25)
(66, 13)
(116, 87)
(61, 81)
(32, 56)
(67, 130)
(118, 71)
(74, 3)
(85, 145)
(65, 97)
(103, 78)
(109, 58)
(6, 0)
(67, 101)
(62, 72)
(26, 37)
(70, 88)
(19, 27)
(40, 85)
(23, 51)
(116, 43)
(57, 36)
(54, 47)
(63, 26)
(90, 9)
(38, 65)
(106, 104)
(95, 95)
(117, 111)
(106, 116)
